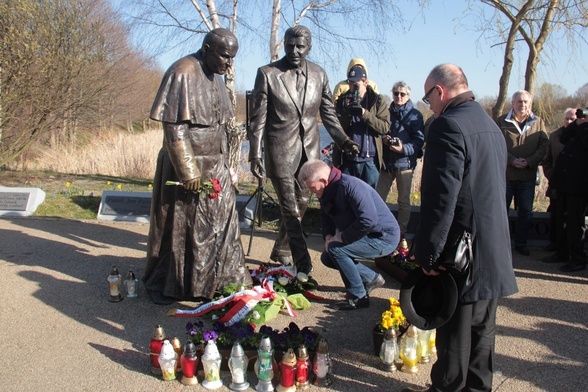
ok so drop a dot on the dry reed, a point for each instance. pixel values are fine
(134, 155)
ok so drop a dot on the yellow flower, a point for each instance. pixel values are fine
(416, 196)
(150, 186)
(119, 187)
(68, 184)
(393, 317)
(394, 302)
(107, 182)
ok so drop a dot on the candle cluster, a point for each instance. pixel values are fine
(292, 373)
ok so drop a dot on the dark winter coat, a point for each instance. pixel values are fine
(464, 187)
(351, 206)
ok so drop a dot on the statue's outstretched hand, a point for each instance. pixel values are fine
(350, 148)
(192, 185)
(257, 168)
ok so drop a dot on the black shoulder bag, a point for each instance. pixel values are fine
(460, 255)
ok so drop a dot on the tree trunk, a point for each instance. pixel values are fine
(274, 39)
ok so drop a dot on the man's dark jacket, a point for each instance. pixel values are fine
(351, 206)
(570, 174)
(464, 187)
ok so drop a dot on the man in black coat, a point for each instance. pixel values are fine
(463, 187)
(570, 181)
(288, 97)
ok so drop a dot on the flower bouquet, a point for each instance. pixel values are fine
(390, 318)
(211, 188)
(256, 305)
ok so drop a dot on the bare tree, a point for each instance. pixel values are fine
(337, 26)
(59, 62)
(532, 22)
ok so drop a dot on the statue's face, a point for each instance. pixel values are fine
(219, 58)
(296, 51)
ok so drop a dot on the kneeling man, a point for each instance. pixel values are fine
(356, 224)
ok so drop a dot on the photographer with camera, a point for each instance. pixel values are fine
(569, 179)
(364, 116)
(402, 146)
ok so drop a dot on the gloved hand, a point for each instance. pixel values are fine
(192, 185)
(257, 168)
(350, 148)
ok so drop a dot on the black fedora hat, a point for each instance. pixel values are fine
(426, 301)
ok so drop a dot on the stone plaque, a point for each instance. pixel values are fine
(125, 206)
(20, 201)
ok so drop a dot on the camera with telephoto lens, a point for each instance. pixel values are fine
(582, 112)
(353, 103)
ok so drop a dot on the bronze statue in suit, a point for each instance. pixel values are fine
(288, 96)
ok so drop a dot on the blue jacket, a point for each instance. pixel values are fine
(406, 123)
(351, 206)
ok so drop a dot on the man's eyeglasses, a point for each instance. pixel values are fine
(426, 97)
(397, 93)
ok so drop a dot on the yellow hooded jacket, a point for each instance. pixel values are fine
(342, 87)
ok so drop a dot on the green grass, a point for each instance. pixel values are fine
(71, 196)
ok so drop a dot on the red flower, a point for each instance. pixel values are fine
(211, 188)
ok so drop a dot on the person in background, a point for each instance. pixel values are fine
(186, 258)
(288, 97)
(463, 187)
(364, 117)
(555, 147)
(355, 224)
(402, 146)
(343, 86)
(570, 182)
(527, 144)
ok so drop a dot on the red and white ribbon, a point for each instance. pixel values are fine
(241, 303)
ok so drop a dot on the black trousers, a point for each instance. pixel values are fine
(571, 238)
(465, 349)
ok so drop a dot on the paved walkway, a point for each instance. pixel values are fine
(59, 332)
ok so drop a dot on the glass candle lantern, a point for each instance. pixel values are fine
(175, 342)
(157, 338)
(114, 284)
(238, 367)
(432, 344)
(409, 350)
(424, 336)
(211, 361)
(167, 361)
(189, 361)
(287, 372)
(389, 350)
(322, 365)
(264, 366)
(131, 285)
(303, 366)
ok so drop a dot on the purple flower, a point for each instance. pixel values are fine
(210, 335)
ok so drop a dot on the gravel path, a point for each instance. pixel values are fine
(60, 332)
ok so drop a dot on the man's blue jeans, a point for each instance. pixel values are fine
(524, 194)
(342, 257)
(367, 171)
